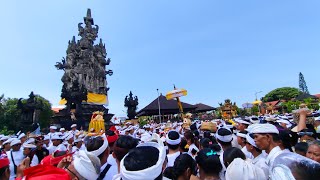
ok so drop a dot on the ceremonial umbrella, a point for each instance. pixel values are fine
(247, 105)
(176, 93)
(256, 102)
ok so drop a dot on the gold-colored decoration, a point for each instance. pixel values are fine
(228, 110)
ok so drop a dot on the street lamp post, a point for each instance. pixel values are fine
(159, 106)
(256, 94)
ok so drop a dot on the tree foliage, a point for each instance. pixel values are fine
(10, 115)
(284, 93)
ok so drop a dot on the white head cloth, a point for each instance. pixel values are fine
(68, 136)
(56, 136)
(30, 141)
(7, 141)
(150, 173)
(4, 138)
(264, 129)
(21, 135)
(73, 125)
(53, 127)
(15, 141)
(173, 142)
(145, 137)
(240, 169)
(227, 138)
(31, 146)
(46, 137)
(84, 166)
(288, 124)
(241, 135)
(250, 140)
(102, 148)
(239, 120)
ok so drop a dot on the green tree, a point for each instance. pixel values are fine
(46, 112)
(284, 93)
(10, 115)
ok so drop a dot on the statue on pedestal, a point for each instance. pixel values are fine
(131, 103)
(30, 110)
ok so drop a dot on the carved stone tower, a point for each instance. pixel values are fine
(84, 80)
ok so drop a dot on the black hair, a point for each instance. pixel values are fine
(173, 135)
(205, 142)
(93, 143)
(191, 136)
(303, 170)
(168, 173)
(141, 158)
(302, 147)
(183, 145)
(284, 137)
(314, 135)
(209, 161)
(232, 153)
(122, 146)
(224, 132)
(182, 163)
(3, 170)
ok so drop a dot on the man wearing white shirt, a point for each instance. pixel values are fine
(15, 157)
(259, 158)
(74, 130)
(56, 144)
(173, 141)
(264, 137)
(52, 131)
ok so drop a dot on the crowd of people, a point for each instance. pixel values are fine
(252, 148)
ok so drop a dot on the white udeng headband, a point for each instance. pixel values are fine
(227, 138)
(102, 148)
(250, 140)
(173, 142)
(150, 173)
(241, 135)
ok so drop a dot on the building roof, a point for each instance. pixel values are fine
(317, 95)
(56, 109)
(203, 107)
(166, 107)
(272, 103)
(305, 96)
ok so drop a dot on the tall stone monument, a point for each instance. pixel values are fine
(131, 103)
(84, 80)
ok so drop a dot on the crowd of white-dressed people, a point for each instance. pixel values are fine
(255, 148)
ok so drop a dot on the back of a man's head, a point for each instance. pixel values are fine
(123, 145)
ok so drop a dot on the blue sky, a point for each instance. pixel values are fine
(214, 49)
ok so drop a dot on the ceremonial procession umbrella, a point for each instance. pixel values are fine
(177, 93)
(256, 102)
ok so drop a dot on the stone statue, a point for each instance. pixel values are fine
(30, 110)
(131, 103)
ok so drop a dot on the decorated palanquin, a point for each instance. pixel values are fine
(228, 110)
(96, 124)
